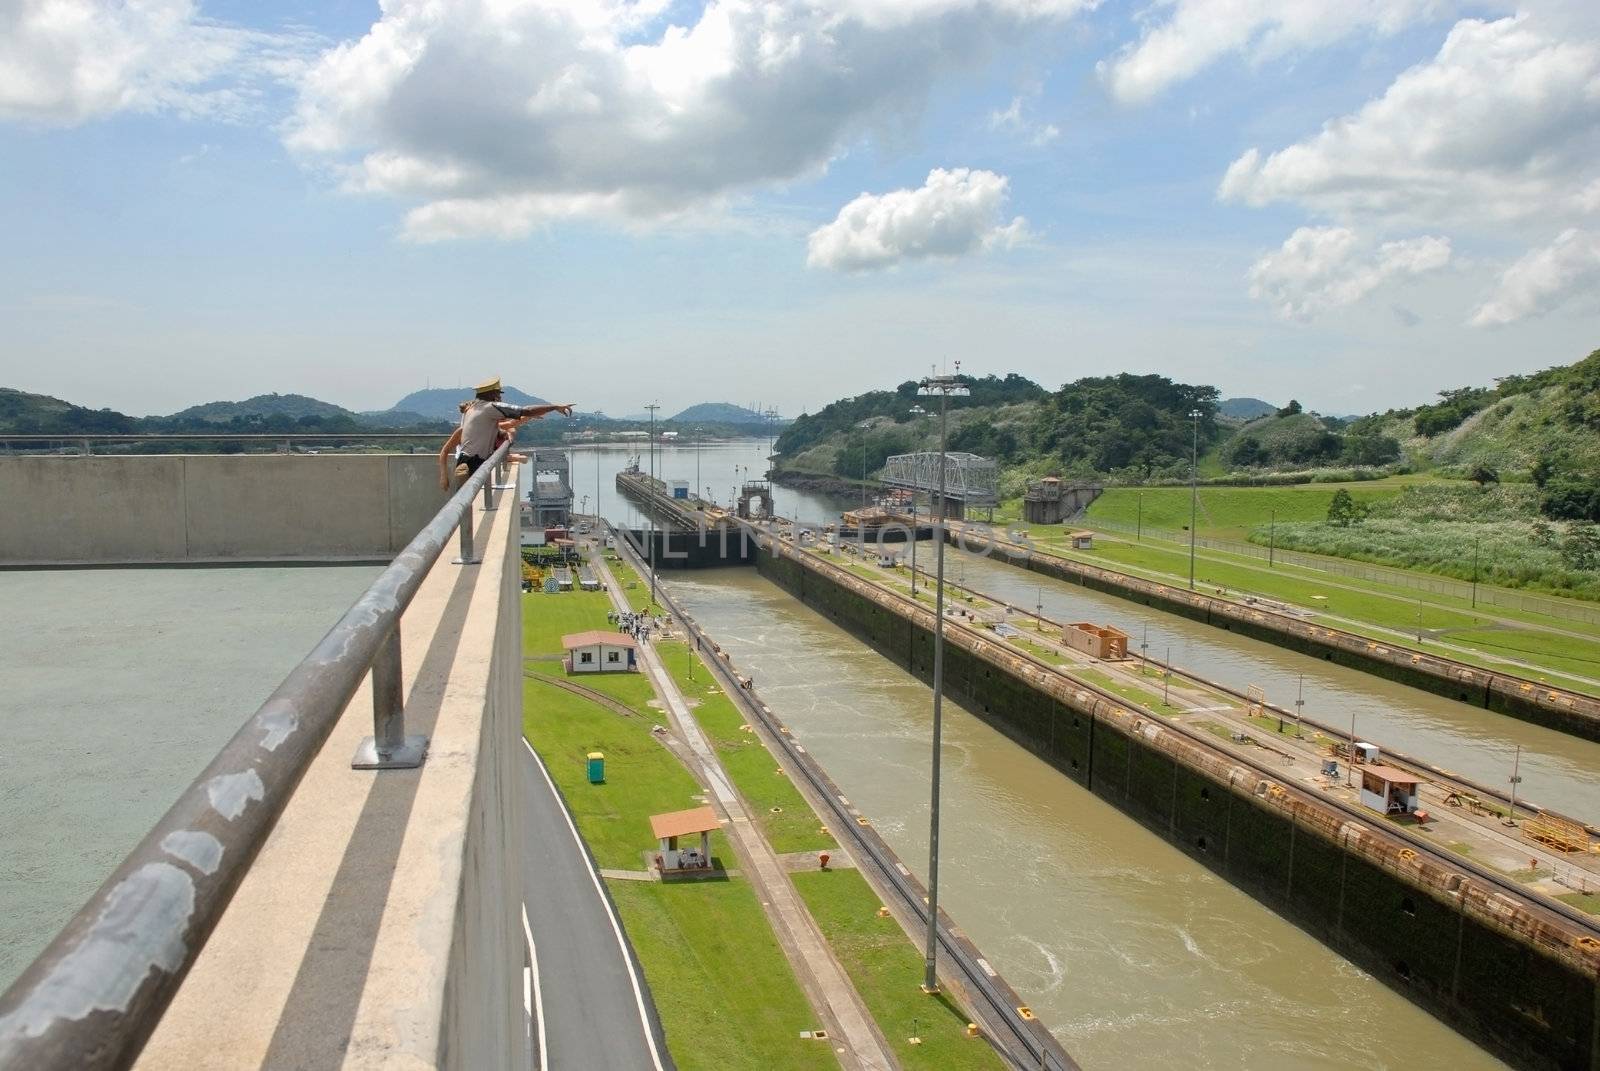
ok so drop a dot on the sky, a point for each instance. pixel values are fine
(1355, 203)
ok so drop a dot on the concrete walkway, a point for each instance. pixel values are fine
(825, 982)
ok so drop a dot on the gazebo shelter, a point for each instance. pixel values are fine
(1388, 790)
(668, 828)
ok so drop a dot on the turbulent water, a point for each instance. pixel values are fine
(1136, 956)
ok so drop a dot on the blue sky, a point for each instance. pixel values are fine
(789, 202)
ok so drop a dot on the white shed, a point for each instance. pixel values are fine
(599, 652)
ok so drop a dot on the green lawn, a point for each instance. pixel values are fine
(793, 826)
(1373, 603)
(1589, 902)
(887, 971)
(1230, 512)
(1149, 700)
(725, 993)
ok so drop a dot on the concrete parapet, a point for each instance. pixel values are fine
(212, 507)
(380, 925)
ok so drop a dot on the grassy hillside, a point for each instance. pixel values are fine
(1234, 512)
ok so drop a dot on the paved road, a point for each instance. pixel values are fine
(589, 1002)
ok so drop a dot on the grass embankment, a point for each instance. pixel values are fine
(725, 992)
(777, 806)
(887, 971)
(1364, 602)
(1233, 512)
(882, 963)
(635, 590)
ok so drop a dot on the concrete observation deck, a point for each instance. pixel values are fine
(383, 922)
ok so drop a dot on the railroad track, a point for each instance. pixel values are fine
(1402, 759)
(1040, 1055)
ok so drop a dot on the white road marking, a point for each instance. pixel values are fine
(616, 927)
(532, 994)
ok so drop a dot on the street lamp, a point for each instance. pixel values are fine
(1194, 489)
(697, 436)
(862, 428)
(943, 387)
(915, 410)
(652, 407)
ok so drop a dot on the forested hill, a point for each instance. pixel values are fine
(444, 403)
(293, 406)
(1137, 428)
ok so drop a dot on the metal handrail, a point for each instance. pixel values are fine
(94, 996)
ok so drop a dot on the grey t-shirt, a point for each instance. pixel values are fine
(480, 424)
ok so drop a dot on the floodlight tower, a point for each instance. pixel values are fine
(943, 387)
(652, 407)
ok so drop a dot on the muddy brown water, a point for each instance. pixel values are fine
(1136, 956)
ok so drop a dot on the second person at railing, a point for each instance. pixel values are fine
(486, 421)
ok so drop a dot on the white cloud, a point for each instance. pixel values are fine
(1544, 279)
(1323, 268)
(1198, 33)
(1012, 121)
(954, 213)
(493, 118)
(69, 61)
(1502, 125)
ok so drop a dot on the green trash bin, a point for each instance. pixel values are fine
(597, 768)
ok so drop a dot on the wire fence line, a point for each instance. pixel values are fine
(1564, 609)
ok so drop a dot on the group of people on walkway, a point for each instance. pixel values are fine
(638, 625)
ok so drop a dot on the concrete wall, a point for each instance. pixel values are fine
(212, 507)
(1512, 980)
(380, 926)
(1555, 708)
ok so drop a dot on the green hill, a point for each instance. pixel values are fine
(719, 413)
(444, 403)
(22, 413)
(293, 406)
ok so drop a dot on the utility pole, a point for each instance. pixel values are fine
(652, 407)
(1194, 489)
(1475, 541)
(1138, 522)
(1299, 707)
(862, 428)
(1350, 756)
(697, 435)
(944, 386)
(1038, 607)
(1166, 679)
(1144, 652)
(1272, 539)
(1516, 779)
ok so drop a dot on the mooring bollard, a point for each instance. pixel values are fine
(389, 748)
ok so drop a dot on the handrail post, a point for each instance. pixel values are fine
(464, 553)
(389, 748)
(488, 494)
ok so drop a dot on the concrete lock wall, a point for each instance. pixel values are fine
(1554, 708)
(1459, 949)
(380, 925)
(213, 507)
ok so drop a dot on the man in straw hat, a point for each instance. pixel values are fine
(483, 420)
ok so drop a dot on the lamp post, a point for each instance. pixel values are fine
(1272, 539)
(652, 407)
(943, 386)
(915, 410)
(1138, 521)
(697, 436)
(1194, 489)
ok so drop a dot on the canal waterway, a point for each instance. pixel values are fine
(1135, 955)
(1557, 770)
(715, 468)
(117, 686)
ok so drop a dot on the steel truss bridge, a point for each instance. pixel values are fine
(968, 478)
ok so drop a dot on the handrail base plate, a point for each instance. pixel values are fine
(406, 757)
